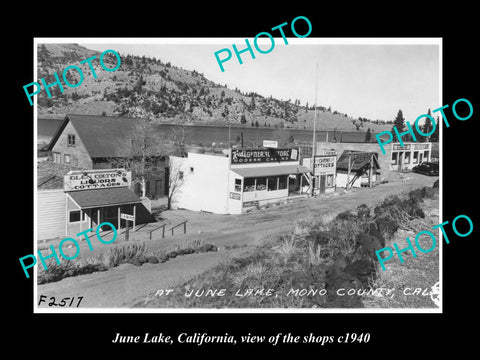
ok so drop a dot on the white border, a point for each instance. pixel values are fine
(229, 41)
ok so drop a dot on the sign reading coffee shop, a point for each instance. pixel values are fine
(242, 156)
(96, 179)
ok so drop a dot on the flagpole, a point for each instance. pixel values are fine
(314, 128)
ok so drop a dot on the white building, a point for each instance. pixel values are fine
(237, 181)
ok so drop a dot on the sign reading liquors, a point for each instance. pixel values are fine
(242, 156)
(96, 179)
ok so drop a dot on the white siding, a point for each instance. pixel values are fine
(51, 209)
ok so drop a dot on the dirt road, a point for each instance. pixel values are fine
(125, 285)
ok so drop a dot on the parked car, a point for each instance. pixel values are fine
(427, 168)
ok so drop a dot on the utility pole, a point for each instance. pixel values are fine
(314, 128)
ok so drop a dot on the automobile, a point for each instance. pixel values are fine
(426, 168)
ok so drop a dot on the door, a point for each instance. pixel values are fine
(322, 183)
(158, 188)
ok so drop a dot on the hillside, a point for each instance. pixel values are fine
(148, 88)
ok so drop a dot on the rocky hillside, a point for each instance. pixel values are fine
(149, 88)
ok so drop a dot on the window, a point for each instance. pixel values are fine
(180, 175)
(261, 184)
(330, 180)
(249, 184)
(415, 157)
(272, 183)
(67, 159)
(56, 157)
(394, 158)
(238, 184)
(282, 183)
(426, 155)
(407, 157)
(71, 140)
(191, 169)
(74, 216)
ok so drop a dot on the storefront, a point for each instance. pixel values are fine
(324, 172)
(239, 180)
(89, 198)
(97, 196)
(410, 154)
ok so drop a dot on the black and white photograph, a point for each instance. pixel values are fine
(169, 179)
(200, 179)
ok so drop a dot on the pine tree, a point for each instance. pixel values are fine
(399, 122)
(368, 135)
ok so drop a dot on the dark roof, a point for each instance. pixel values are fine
(102, 136)
(271, 170)
(104, 197)
(359, 160)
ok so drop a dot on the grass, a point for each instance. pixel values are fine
(133, 252)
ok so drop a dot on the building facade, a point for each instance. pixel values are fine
(89, 198)
(100, 142)
(238, 180)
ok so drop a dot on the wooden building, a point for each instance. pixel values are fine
(96, 142)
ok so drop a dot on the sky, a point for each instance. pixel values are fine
(371, 77)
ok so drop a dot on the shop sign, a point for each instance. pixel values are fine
(404, 147)
(270, 144)
(235, 196)
(323, 163)
(90, 180)
(127, 217)
(420, 146)
(242, 156)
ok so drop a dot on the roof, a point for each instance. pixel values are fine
(271, 170)
(359, 160)
(102, 136)
(104, 197)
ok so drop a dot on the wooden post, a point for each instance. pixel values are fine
(185, 227)
(348, 172)
(134, 217)
(127, 230)
(118, 225)
(98, 216)
(163, 231)
(370, 171)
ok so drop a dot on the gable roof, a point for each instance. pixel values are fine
(102, 136)
(359, 160)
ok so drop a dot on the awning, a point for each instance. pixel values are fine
(104, 197)
(271, 170)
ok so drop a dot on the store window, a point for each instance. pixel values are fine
(394, 158)
(71, 140)
(329, 180)
(74, 216)
(238, 184)
(67, 159)
(272, 183)
(282, 182)
(415, 157)
(56, 157)
(427, 153)
(249, 184)
(407, 158)
(261, 184)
